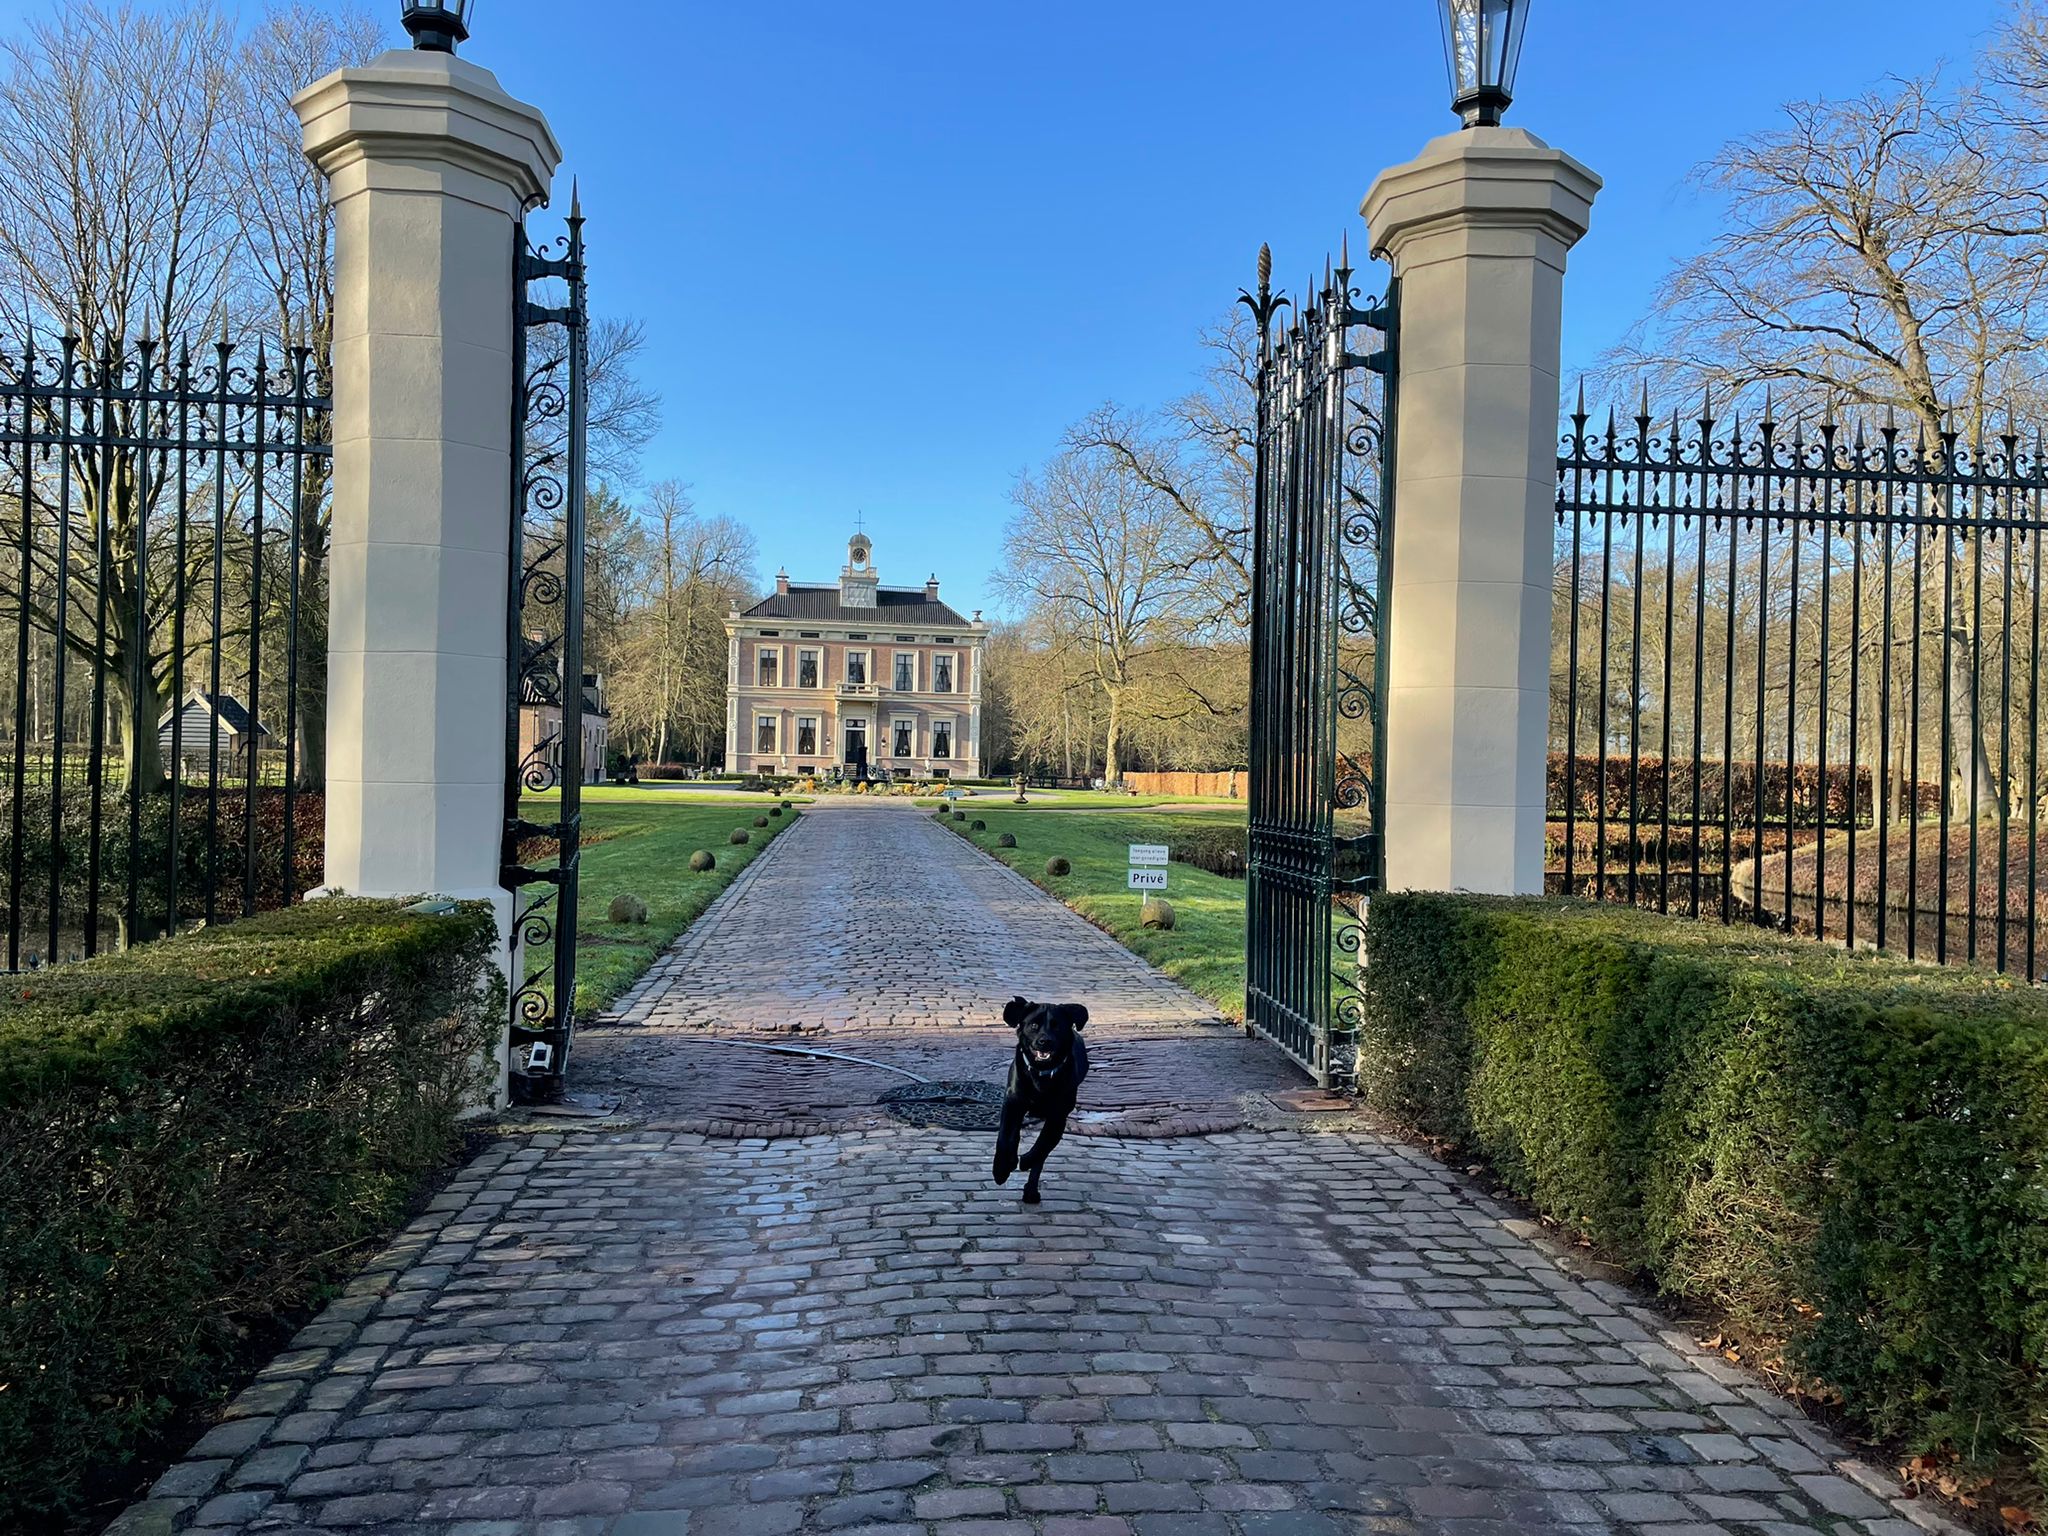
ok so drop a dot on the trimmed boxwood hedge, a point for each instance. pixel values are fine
(1845, 1153)
(194, 1135)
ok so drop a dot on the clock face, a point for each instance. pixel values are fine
(860, 551)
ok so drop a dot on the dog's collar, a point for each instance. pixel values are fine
(1033, 1070)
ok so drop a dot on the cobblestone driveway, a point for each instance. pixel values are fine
(1278, 1333)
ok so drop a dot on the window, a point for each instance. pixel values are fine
(905, 732)
(806, 736)
(942, 674)
(942, 738)
(767, 660)
(906, 639)
(856, 666)
(807, 669)
(906, 672)
(764, 733)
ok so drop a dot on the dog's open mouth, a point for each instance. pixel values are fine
(1041, 1056)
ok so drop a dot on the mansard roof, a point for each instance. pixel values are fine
(821, 605)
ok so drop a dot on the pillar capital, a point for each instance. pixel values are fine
(1503, 181)
(431, 121)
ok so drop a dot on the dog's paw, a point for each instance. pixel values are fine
(1030, 1196)
(1003, 1169)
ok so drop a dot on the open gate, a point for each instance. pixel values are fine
(1322, 526)
(544, 655)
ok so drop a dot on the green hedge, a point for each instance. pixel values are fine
(193, 1134)
(1849, 1154)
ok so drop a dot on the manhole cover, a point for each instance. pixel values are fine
(951, 1106)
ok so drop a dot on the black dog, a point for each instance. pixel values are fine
(1045, 1078)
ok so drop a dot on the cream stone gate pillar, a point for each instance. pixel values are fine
(429, 164)
(1477, 228)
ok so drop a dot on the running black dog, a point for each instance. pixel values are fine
(1045, 1078)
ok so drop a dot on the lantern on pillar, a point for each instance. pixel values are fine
(438, 25)
(1482, 49)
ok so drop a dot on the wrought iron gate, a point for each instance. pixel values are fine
(544, 651)
(1322, 522)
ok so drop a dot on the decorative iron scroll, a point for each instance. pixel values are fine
(1322, 524)
(544, 651)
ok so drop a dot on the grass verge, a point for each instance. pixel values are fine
(638, 843)
(1205, 950)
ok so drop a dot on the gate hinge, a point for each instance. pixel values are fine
(513, 876)
(1381, 362)
(542, 314)
(1380, 316)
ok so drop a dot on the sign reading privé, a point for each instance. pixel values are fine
(1148, 854)
(1148, 879)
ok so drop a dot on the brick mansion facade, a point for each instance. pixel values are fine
(855, 676)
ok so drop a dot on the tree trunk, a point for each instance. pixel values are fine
(1112, 773)
(1971, 757)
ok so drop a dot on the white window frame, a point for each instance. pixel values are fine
(801, 722)
(952, 752)
(867, 666)
(761, 654)
(901, 720)
(774, 724)
(900, 658)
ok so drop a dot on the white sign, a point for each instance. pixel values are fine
(1148, 879)
(1149, 854)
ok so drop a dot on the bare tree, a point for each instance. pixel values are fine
(1883, 251)
(1104, 561)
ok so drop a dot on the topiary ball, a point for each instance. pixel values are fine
(739, 835)
(785, 805)
(977, 825)
(774, 810)
(1058, 866)
(702, 860)
(760, 821)
(1156, 913)
(1007, 840)
(959, 815)
(627, 909)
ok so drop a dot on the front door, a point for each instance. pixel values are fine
(856, 745)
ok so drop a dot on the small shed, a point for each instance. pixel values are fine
(219, 713)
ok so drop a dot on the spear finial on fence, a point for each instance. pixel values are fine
(1581, 411)
(1769, 421)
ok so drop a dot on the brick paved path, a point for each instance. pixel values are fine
(869, 929)
(1278, 1333)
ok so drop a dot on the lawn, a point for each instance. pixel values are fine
(638, 842)
(1205, 950)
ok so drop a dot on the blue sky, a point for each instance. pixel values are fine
(886, 252)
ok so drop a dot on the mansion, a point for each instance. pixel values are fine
(854, 676)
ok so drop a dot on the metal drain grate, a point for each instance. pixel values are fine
(950, 1106)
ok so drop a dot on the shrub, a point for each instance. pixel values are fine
(1157, 912)
(1006, 840)
(1844, 1153)
(1058, 866)
(1218, 849)
(194, 1137)
(738, 835)
(702, 861)
(760, 821)
(787, 804)
(977, 825)
(959, 815)
(627, 909)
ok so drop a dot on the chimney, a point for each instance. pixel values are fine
(782, 582)
(931, 588)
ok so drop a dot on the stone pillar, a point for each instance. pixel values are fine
(1477, 228)
(429, 164)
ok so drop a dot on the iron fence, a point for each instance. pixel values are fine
(163, 527)
(1796, 678)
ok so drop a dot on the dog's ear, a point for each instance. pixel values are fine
(1074, 1014)
(1015, 1009)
